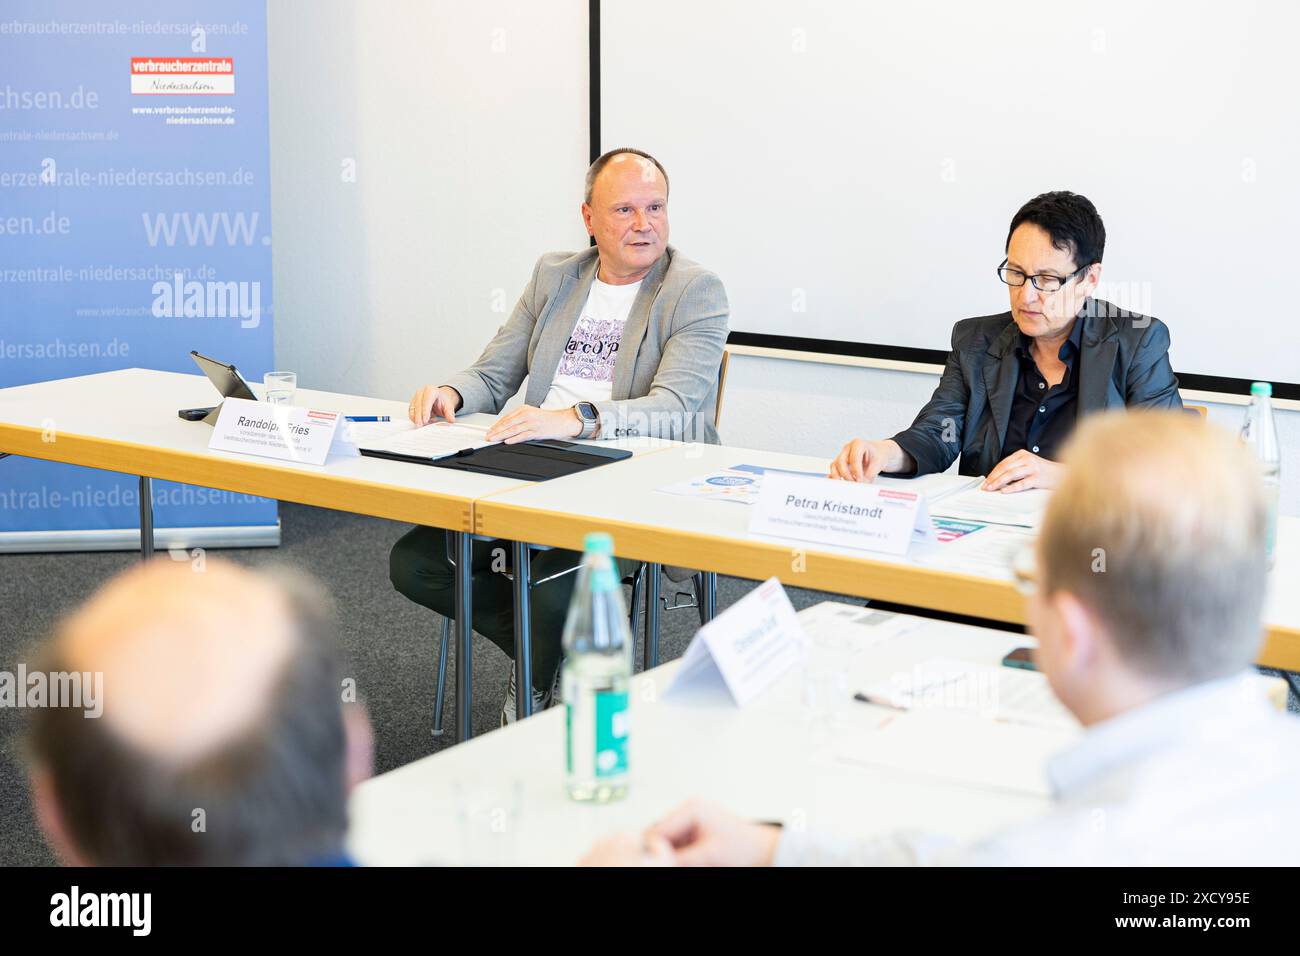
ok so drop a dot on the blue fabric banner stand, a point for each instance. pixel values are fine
(134, 226)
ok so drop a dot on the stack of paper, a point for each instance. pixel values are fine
(439, 439)
(935, 487)
(1005, 694)
(1022, 508)
(990, 551)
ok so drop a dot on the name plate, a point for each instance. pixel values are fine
(284, 432)
(845, 514)
(744, 649)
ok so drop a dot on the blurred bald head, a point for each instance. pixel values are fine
(190, 659)
(222, 737)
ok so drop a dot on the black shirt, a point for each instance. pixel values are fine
(1041, 417)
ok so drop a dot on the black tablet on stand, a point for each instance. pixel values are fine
(226, 379)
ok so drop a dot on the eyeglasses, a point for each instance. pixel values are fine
(1043, 282)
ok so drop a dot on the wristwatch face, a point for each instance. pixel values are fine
(587, 411)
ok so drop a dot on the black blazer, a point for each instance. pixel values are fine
(1123, 362)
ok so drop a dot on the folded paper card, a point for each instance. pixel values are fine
(745, 648)
(840, 513)
(284, 432)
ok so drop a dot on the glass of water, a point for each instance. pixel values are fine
(488, 812)
(280, 387)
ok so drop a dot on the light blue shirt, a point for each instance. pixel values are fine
(1207, 776)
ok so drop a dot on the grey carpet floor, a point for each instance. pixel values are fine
(391, 644)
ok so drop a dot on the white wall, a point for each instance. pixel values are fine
(467, 125)
(851, 168)
(812, 408)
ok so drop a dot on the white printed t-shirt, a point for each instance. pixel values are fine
(586, 370)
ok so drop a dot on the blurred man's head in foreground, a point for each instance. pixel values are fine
(1151, 562)
(224, 738)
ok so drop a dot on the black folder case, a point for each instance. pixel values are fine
(527, 461)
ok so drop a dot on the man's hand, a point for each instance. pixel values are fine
(528, 423)
(630, 849)
(434, 401)
(1021, 471)
(862, 460)
(705, 835)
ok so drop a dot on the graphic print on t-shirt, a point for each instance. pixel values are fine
(591, 350)
(586, 369)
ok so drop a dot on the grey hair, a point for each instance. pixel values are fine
(603, 160)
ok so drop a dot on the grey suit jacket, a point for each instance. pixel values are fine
(1123, 362)
(666, 372)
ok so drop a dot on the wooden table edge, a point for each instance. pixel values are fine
(252, 476)
(931, 588)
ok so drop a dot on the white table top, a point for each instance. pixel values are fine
(138, 407)
(767, 761)
(634, 499)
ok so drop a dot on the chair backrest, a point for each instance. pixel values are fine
(722, 384)
(1201, 410)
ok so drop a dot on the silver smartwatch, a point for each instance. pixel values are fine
(590, 418)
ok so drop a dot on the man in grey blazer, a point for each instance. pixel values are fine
(1015, 383)
(622, 339)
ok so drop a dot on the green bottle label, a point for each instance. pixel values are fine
(602, 575)
(611, 733)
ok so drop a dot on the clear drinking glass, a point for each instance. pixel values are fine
(280, 387)
(488, 812)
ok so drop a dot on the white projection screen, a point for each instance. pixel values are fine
(850, 169)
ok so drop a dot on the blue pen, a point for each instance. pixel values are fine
(368, 418)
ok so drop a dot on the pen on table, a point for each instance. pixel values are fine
(367, 418)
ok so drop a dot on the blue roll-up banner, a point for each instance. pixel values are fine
(135, 226)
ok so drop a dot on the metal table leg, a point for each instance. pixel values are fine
(709, 604)
(146, 518)
(637, 608)
(440, 693)
(521, 558)
(461, 542)
(650, 651)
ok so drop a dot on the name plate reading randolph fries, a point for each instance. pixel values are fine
(844, 514)
(285, 432)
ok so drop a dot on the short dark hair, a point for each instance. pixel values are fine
(274, 796)
(1070, 220)
(603, 160)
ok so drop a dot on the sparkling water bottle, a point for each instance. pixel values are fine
(1260, 433)
(596, 671)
